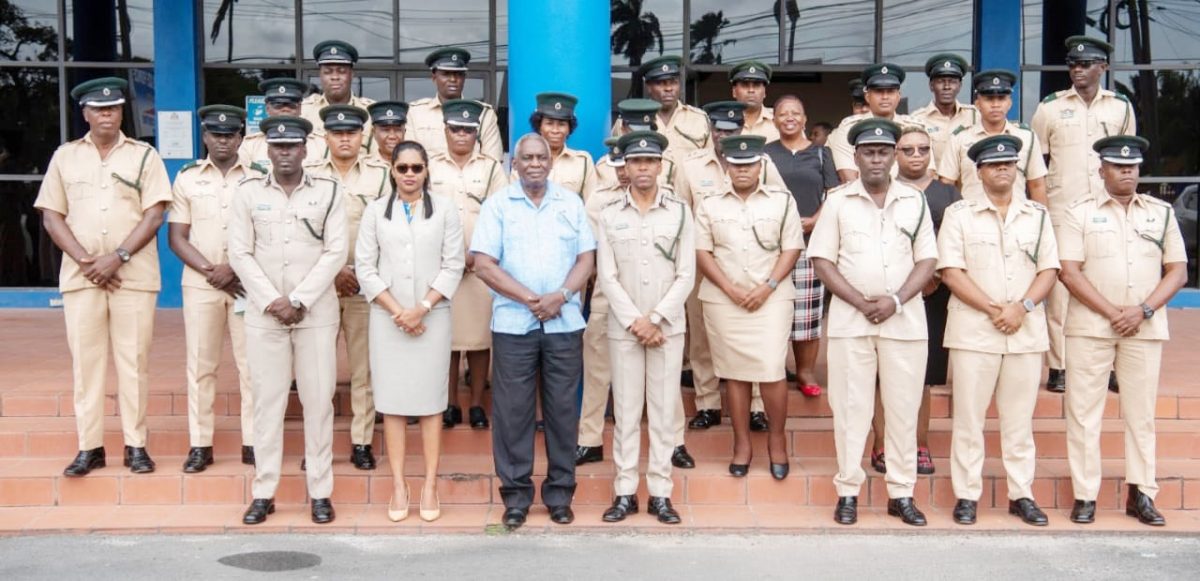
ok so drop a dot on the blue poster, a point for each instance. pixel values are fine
(256, 111)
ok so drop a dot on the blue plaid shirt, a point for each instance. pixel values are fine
(538, 246)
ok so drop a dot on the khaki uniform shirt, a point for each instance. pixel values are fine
(606, 174)
(703, 175)
(467, 186)
(843, 152)
(1067, 127)
(288, 246)
(366, 182)
(941, 126)
(955, 165)
(1122, 257)
(686, 130)
(600, 199)
(875, 250)
(254, 149)
(573, 169)
(764, 125)
(746, 238)
(426, 125)
(310, 108)
(646, 263)
(103, 201)
(1002, 256)
(204, 201)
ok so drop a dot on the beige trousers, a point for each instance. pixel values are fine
(704, 377)
(1137, 363)
(310, 355)
(854, 365)
(95, 318)
(207, 313)
(646, 377)
(597, 375)
(1014, 379)
(355, 313)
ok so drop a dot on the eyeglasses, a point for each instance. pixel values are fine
(461, 129)
(911, 151)
(403, 168)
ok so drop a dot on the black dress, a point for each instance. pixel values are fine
(940, 196)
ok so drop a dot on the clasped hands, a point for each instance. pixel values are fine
(547, 306)
(410, 320)
(648, 334)
(752, 299)
(283, 311)
(102, 270)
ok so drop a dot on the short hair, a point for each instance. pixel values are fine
(828, 127)
(528, 136)
(790, 97)
(913, 129)
(535, 121)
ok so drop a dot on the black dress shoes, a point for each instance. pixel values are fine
(198, 459)
(248, 455)
(739, 470)
(258, 511)
(1056, 381)
(1141, 506)
(514, 517)
(780, 471)
(1112, 382)
(964, 511)
(85, 461)
(479, 419)
(322, 511)
(138, 460)
(681, 459)
(660, 506)
(562, 515)
(907, 510)
(1029, 512)
(588, 454)
(705, 419)
(451, 417)
(1084, 512)
(362, 458)
(622, 506)
(846, 512)
(758, 422)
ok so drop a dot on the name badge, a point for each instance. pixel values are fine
(263, 207)
(621, 226)
(1099, 219)
(1067, 114)
(706, 183)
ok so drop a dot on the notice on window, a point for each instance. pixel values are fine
(175, 136)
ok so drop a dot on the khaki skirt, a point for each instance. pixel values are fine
(749, 346)
(471, 313)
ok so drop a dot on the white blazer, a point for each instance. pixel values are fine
(409, 259)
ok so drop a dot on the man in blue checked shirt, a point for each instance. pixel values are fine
(534, 248)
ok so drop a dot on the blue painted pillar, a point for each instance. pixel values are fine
(561, 46)
(176, 88)
(998, 42)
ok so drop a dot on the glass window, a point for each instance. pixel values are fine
(425, 25)
(27, 256)
(29, 119)
(232, 86)
(502, 32)
(365, 24)
(1167, 115)
(1046, 30)
(110, 31)
(1031, 94)
(30, 31)
(1163, 33)
(727, 32)
(915, 30)
(249, 31)
(831, 32)
(645, 30)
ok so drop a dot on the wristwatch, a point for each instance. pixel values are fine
(1029, 305)
(123, 254)
(899, 305)
(656, 319)
(772, 283)
(1147, 312)
(425, 304)
(566, 294)
(296, 304)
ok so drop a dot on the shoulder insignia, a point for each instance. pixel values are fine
(961, 205)
(258, 167)
(420, 102)
(189, 165)
(837, 188)
(1035, 205)
(697, 154)
(252, 177)
(1122, 97)
(1081, 201)
(1024, 126)
(958, 130)
(1153, 200)
(375, 162)
(1052, 96)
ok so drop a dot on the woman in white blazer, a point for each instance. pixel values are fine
(409, 261)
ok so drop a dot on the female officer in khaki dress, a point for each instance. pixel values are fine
(409, 260)
(747, 241)
(467, 177)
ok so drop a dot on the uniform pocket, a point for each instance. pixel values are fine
(266, 225)
(981, 251)
(855, 241)
(1101, 243)
(203, 207)
(80, 191)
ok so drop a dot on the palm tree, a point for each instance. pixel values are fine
(793, 14)
(634, 34)
(704, 35)
(224, 11)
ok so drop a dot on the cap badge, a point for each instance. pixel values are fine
(752, 70)
(282, 89)
(341, 116)
(106, 91)
(883, 70)
(731, 114)
(1079, 48)
(995, 80)
(221, 117)
(616, 150)
(742, 146)
(280, 129)
(947, 65)
(390, 113)
(454, 57)
(466, 114)
(558, 106)
(1000, 147)
(878, 131)
(646, 118)
(1125, 151)
(666, 68)
(642, 143)
(333, 50)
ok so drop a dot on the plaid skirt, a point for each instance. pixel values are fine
(809, 303)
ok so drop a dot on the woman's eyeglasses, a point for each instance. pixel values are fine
(911, 151)
(403, 168)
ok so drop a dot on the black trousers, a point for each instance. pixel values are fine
(935, 318)
(517, 361)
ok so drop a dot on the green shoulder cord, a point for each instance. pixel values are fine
(912, 236)
(136, 185)
(1037, 250)
(670, 254)
(773, 247)
(671, 173)
(329, 208)
(378, 193)
(1028, 156)
(486, 187)
(583, 180)
(699, 142)
(1160, 242)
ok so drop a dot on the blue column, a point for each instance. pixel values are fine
(561, 46)
(176, 88)
(998, 41)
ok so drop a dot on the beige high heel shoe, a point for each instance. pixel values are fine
(431, 514)
(401, 514)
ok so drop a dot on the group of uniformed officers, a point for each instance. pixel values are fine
(696, 238)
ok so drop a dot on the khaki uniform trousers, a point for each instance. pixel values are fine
(854, 365)
(95, 318)
(1056, 319)
(355, 312)
(1013, 378)
(207, 313)
(704, 377)
(1137, 363)
(310, 354)
(646, 378)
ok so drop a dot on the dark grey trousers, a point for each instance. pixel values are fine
(517, 361)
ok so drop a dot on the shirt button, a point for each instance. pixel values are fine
(644, 261)
(745, 269)
(1131, 285)
(223, 206)
(104, 186)
(224, 227)
(103, 208)
(105, 231)
(888, 289)
(645, 281)
(745, 247)
(288, 222)
(104, 164)
(645, 242)
(285, 263)
(286, 240)
(1010, 277)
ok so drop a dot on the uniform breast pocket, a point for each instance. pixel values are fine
(79, 190)
(1101, 243)
(981, 251)
(1150, 237)
(855, 241)
(726, 232)
(311, 225)
(768, 232)
(203, 207)
(266, 225)
(624, 244)
(666, 239)
(1069, 131)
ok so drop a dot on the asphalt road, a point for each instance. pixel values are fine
(608, 557)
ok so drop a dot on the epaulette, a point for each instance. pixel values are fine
(697, 154)
(1081, 201)
(1053, 96)
(1036, 205)
(851, 120)
(961, 205)
(1152, 199)
(485, 104)
(775, 190)
(258, 167)
(669, 195)
(420, 102)
(375, 162)
(252, 177)
(314, 162)
(958, 130)
(613, 201)
(190, 165)
(837, 188)
(1024, 126)
(1121, 96)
